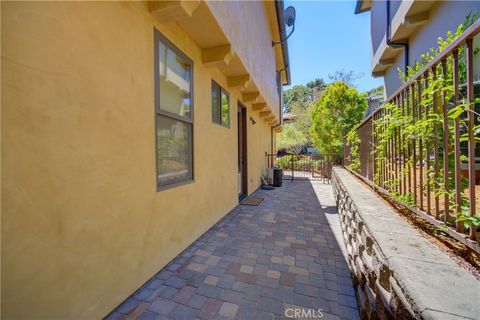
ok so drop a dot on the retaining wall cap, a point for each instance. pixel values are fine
(433, 314)
(434, 284)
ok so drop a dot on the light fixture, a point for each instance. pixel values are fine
(289, 20)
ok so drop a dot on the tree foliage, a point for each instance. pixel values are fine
(303, 119)
(297, 95)
(338, 110)
(301, 95)
(300, 100)
(378, 91)
(316, 86)
(291, 139)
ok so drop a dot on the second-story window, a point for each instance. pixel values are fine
(220, 105)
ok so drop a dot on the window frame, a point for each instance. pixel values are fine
(221, 91)
(189, 121)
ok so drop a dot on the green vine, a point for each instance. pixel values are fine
(429, 56)
(353, 140)
(407, 129)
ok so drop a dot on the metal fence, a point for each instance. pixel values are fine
(434, 167)
(365, 150)
(305, 166)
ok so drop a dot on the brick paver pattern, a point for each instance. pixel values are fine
(260, 262)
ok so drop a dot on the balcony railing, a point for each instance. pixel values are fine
(420, 146)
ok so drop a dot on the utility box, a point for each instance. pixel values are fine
(275, 176)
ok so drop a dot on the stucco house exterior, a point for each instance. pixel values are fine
(401, 31)
(128, 130)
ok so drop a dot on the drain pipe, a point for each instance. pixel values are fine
(274, 127)
(280, 105)
(271, 136)
(403, 44)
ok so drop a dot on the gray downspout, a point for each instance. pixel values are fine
(393, 43)
(280, 106)
(271, 141)
(281, 27)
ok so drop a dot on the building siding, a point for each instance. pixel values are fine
(444, 16)
(240, 20)
(82, 224)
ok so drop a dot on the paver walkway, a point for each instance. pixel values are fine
(263, 262)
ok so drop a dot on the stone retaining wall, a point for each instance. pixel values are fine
(397, 272)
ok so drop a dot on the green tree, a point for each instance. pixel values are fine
(303, 118)
(299, 101)
(339, 109)
(297, 95)
(291, 139)
(316, 86)
(378, 91)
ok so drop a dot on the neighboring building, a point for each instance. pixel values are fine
(124, 128)
(288, 117)
(374, 102)
(409, 30)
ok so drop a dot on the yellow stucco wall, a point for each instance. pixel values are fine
(82, 224)
(239, 20)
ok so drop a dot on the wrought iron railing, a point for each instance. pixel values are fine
(305, 166)
(429, 158)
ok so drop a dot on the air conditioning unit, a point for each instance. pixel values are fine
(270, 172)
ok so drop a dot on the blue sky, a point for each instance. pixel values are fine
(329, 37)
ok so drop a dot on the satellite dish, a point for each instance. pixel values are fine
(289, 16)
(289, 20)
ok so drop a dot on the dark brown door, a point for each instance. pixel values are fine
(242, 151)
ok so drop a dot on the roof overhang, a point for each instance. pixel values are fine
(410, 16)
(199, 22)
(279, 8)
(363, 6)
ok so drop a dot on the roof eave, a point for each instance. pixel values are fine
(281, 27)
(359, 9)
